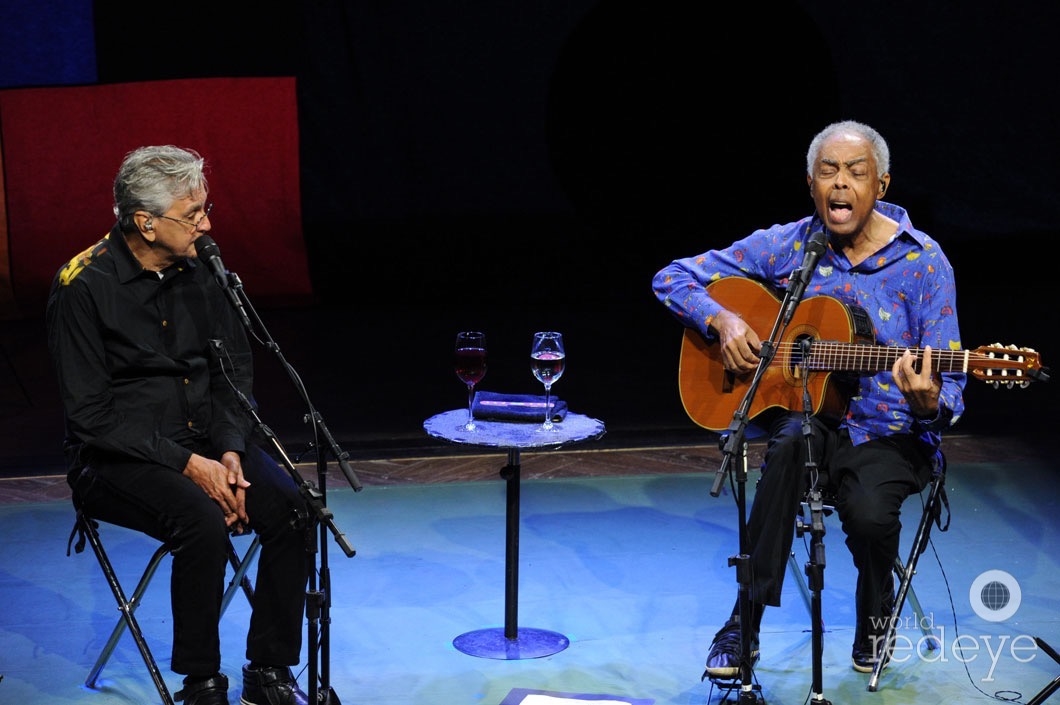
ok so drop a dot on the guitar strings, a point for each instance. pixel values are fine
(854, 357)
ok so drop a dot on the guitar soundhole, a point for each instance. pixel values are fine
(801, 349)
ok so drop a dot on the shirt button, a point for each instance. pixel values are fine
(187, 381)
(191, 424)
(165, 323)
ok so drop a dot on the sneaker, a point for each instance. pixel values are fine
(865, 655)
(271, 686)
(723, 661)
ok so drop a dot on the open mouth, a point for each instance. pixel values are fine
(840, 211)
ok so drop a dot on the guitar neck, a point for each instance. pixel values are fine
(853, 357)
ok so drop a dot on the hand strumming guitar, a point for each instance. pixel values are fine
(740, 345)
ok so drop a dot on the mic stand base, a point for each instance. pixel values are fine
(748, 695)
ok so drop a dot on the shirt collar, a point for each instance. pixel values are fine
(905, 224)
(127, 265)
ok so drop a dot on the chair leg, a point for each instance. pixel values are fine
(932, 640)
(240, 566)
(127, 605)
(804, 588)
(905, 575)
(1054, 684)
(127, 608)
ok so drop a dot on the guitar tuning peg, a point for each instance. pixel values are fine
(1010, 384)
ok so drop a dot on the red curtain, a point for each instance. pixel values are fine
(60, 148)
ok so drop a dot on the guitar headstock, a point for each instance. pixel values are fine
(1007, 365)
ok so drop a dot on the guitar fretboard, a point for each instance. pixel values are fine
(847, 357)
(826, 355)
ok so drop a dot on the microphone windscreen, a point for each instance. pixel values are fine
(818, 243)
(206, 248)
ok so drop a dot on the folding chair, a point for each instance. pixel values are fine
(932, 514)
(87, 529)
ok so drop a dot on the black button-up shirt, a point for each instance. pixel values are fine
(139, 362)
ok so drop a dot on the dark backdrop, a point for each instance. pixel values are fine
(514, 166)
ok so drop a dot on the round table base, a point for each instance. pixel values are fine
(528, 643)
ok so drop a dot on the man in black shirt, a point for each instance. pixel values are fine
(151, 361)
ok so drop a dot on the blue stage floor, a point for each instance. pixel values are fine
(633, 570)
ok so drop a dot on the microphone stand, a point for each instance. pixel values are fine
(733, 442)
(814, 567)
(318, 595)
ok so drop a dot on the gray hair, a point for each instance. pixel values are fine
(152, 178)
(874, 138)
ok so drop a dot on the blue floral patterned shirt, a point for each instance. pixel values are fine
(907, 290)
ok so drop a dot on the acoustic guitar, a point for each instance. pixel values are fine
(824, 347)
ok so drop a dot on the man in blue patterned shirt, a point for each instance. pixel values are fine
(882, 444)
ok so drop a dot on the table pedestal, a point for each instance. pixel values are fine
(512, 642)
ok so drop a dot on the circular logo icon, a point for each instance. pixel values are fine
(995, 595)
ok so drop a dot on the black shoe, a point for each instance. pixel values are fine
(211, 691)
(271, 686)
(723, 661)
(868, 649)
(865, 655)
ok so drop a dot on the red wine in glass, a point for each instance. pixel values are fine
(470, 366)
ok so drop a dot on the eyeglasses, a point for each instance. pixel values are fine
(197, 223)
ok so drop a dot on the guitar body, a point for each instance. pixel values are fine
(711, 395)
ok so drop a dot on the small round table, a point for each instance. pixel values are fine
(512, 642)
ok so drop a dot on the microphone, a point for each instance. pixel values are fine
(801, 276)
(210, 253)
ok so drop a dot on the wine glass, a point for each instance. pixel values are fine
(547, 360)
(470, 364)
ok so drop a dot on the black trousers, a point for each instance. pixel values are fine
(170, 507)
(870, 482)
